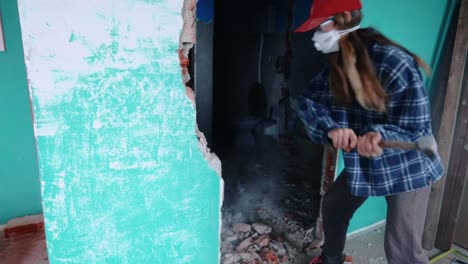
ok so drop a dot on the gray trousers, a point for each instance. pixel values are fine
(406, 213)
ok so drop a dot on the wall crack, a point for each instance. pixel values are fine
(187, 41)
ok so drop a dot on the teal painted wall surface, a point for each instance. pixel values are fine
(19, 176)
(419, 25)
(123, 176)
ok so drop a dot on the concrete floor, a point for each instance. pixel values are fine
(368, 247)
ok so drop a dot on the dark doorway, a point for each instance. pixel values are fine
(272, 171)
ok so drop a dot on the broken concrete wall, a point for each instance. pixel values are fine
(123, 177)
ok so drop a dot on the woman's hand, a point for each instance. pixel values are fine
(368, 145)
(343, 138)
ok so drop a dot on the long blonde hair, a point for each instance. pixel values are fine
(352, 72)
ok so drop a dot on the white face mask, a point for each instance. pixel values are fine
(327, 42)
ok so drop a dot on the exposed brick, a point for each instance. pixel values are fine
(24, 225)
(271, 257)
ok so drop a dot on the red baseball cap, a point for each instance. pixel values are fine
(321, 10)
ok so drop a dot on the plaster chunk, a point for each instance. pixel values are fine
(261, 228)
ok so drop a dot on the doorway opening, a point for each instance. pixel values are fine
(248, 63)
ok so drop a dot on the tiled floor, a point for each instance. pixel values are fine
(23, 249)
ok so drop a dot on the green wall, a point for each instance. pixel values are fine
(416, 24)
(124, 179)
(419, 25)
(19, 177)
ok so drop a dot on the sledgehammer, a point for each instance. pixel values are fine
(426, 144)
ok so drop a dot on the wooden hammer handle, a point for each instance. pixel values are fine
(398, 145)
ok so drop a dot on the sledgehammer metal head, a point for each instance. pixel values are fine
(426, 144)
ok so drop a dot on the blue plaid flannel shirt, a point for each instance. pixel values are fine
(407, 118)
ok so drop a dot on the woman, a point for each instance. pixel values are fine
(371, 91)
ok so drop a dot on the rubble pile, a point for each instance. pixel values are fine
(293, 232)
(276, 187)
(268, 239)
(252, 244)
